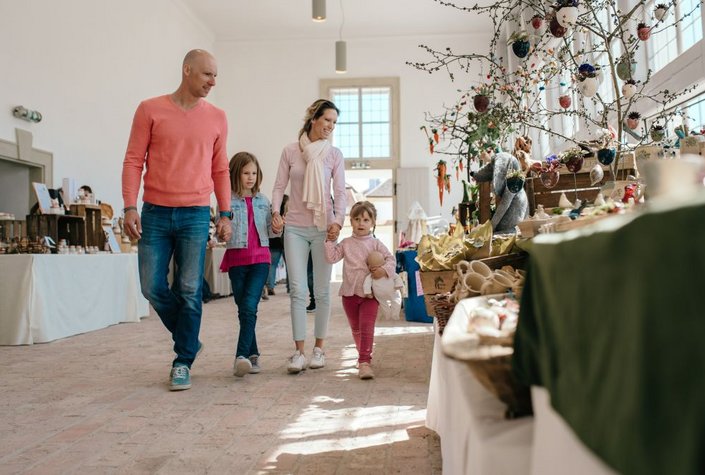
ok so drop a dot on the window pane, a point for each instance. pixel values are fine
(347, 101)
(375, 105)
(375, 143)
(346, 138)
(692, 27)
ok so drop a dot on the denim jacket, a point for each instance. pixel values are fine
(263, 220)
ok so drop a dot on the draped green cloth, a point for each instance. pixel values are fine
(612, 324)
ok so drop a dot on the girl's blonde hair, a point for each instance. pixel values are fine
(365, 207)
(314, 111)
(239, 161)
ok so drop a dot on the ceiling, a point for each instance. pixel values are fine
(243, 20)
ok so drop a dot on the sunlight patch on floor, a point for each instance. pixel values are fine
(403, 330)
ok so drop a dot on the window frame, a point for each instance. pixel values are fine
(326, 85)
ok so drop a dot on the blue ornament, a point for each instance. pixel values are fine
(521, 48)
(586, 69)
(606, 155)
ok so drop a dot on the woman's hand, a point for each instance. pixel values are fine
(277, 223)
(333, 232)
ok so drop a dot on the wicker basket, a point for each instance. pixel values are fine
(492, 366)
(443, 307)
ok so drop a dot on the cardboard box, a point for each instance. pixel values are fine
(437, 282)
(694, 144)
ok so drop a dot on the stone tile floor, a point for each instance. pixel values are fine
(99, 402)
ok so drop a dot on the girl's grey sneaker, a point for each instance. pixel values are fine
(297, 363)
(254, 359)
(180, 377)
(242, 366)
(318, 359)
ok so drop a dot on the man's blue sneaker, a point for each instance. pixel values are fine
(180, 377)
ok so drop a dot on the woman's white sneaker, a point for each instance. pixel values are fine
(318, 359)
(297, 363)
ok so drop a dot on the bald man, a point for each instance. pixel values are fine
(180, 139)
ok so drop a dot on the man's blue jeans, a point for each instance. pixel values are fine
(248, 282)
(181, 233)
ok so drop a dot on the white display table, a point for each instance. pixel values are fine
(45, 297)
(219, 282)
(475, 436)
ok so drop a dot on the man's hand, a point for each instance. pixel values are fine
(223, 229)
(132, 225)
(333, 232)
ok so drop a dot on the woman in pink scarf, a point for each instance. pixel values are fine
(309, 167)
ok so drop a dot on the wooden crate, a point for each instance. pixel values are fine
(57, 227)
(12, 228)
(95, 236)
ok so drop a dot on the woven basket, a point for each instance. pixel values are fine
(443, 307)
(492, 366)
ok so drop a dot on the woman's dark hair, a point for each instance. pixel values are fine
(86, 188)
(314, 111)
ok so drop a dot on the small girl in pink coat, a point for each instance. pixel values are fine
(360, 310)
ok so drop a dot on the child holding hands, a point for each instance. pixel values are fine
(360, 310)
(247, 258)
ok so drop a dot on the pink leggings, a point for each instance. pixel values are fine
(362, 313)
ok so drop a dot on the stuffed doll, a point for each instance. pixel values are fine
(511, 207)
(387, 290)
(522, 151)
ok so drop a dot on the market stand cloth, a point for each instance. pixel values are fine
(612, 325)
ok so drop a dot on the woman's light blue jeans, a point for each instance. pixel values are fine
(298, 241)
(181, 233)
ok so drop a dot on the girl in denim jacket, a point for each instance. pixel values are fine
(247, 258)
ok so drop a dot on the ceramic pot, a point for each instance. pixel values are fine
(606, 155)
(588, 87)
(657, 134)
(644, 33)
(481, 102)
(632, 123)
(515, 184)
(521, 48)
(556, 29)
(481, 268)
(565, 101)
(625, 69)
(628, 90)
(575, 164)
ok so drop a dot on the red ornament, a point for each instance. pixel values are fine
(565, 101)
(644, 33)
(556, 29)
(574, 164)
(537, 22)
(481, 102)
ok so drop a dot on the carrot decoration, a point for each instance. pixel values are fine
(440, 179)
(460, 164)
(430, 145)
(457, 172)
(435, 134)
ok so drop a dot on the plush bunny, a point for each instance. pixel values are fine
(511, 207)
(522, 151)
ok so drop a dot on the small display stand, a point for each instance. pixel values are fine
(414, 306)
(57, 227)
(95, 236)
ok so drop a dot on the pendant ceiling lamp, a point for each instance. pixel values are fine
(318, 10)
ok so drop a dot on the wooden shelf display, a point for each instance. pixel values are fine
(12, 228)
(57, 227)
(95, 236)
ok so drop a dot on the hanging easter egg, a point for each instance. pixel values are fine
(606, 155)
(588, 87)
(521, 48)
(575, 164)
(567, 16)
(643, 32)
(596, 174)
(625, 69)
(661, 12)
(628, 90)
(565, 101)
(632, 123)
(481, 102)
(556, 29)
(657, 133)
(549, 178)
(537, 22)
(515, 184)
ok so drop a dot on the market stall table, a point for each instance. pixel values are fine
(611, 325)
(44, 297)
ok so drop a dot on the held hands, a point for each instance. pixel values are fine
(223, 229)
(132, 225)
(277, 223)
(333, 232)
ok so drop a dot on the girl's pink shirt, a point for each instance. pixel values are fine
(354, 251)
(292, 167)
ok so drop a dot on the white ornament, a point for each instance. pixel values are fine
(567, 16)
(628, 90)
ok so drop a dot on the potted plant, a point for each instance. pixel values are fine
(515, 180)
(633, 120)
(573, 159)
(629, 88)
(643, 31)
(657, 133)
(660, 11)
(520, 43)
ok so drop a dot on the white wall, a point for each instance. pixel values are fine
(85, 65)
(265, 88)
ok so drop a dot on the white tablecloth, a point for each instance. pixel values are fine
(475, 436)
(45, 297)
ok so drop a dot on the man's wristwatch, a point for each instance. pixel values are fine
(227, 214)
